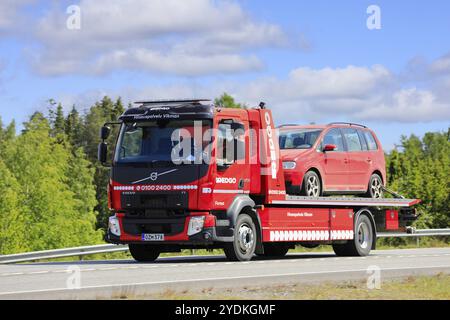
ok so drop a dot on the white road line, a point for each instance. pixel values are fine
(39, 272)
(12, 274)
(221, 278)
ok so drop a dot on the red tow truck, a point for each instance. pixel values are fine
(225, 189)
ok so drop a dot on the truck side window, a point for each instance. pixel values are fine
(224, 144)
(230, 144)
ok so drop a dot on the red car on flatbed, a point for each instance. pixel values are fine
(225, 189)
(338, 158)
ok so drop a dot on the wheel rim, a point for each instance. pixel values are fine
(312, 186)
(246, 238)
(375, 188)
(363, 235)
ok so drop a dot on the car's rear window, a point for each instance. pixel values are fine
(371, 142)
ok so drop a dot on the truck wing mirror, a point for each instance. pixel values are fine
(105, 132)
(102, 152)
(329, 147)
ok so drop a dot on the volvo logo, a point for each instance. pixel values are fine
(154, 176)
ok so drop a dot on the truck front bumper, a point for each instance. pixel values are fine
(173, 231)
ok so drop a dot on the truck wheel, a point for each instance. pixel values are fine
(143, 252)
(312, 186)
(362, 242)
(375, 190)
(243, 246)
(275, 250)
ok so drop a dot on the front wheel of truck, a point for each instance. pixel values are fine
(243, 246)
(144, 252)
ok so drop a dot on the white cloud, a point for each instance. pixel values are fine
(320, 95)
(441, 65)
(189, 37)
(9, 14)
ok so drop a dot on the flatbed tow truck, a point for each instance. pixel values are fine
(231, 194)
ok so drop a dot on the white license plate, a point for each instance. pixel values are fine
(152, 237)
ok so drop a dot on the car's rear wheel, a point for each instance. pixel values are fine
(144, 252)
(375, 187)
(312, 186)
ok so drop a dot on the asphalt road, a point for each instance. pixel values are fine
(115, 278)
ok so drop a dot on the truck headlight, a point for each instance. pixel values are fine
(114, 226)
(289, 165)
(195, 225)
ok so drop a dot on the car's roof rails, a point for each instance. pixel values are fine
(171, 101)
(288, 125)
(349, 123)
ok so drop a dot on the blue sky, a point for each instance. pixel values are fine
(309, 60)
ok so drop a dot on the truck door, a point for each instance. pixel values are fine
(232, 165)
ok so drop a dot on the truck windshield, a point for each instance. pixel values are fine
(156, 141)
(298, 138)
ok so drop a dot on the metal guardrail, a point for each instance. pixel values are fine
(62, 253)
(415, 233)
(108, 248)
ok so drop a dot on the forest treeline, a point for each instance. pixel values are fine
(53, 190)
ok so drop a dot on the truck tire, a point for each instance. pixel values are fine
(363, 238)
(243, 246)
(312, 186)
(273, 250)
(143, 252)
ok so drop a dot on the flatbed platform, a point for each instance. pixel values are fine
(346, 202)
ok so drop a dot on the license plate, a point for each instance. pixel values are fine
(152, 237)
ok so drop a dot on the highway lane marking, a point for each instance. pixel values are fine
(12, 274)
(221, 278)
(39, 272)
(226, 263)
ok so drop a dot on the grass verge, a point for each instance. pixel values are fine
(410, 288)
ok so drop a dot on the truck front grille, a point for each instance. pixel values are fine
(165, 226)
(143, 200)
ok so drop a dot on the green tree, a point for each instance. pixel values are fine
(227, 101)
(59, 122)
(51, 202)
(12, 225)
(422, 170)
(101, 112)
(73, 128)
